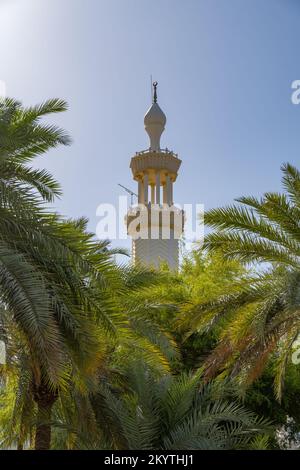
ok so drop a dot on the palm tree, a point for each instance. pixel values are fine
(153, 411)
(260, 313)
(45, 264)
(73, 421)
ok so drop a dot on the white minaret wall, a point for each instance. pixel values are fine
(155, 171)
(154, 252)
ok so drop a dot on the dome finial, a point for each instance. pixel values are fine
(155, 92)
(155, 121)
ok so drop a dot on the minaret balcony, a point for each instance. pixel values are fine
(151, 162)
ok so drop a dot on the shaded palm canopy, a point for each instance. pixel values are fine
(169, 413)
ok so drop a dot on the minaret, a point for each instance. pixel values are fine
(155, 224)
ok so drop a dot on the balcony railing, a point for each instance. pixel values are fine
(165, 151)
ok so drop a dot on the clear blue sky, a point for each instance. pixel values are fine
(224, 68)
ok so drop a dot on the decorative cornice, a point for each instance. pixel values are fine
(149, 160)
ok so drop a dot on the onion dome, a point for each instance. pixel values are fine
(155, 121)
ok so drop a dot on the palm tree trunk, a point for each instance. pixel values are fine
(45, 400)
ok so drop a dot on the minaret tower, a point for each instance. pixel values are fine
(155, 224)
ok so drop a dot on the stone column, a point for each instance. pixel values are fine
(140, 191)
(165, 194)
(152, 193)
(168, 190)
(171, 193)
(157, 188)
(145, 188)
